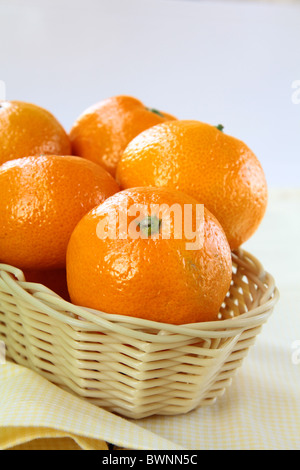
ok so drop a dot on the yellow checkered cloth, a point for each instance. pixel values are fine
(35, 414)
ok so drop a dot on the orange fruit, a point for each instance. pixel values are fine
(218, 170)
(54, 279)
(42, 199)
(149, 270)
(103, 131)
(27, 129)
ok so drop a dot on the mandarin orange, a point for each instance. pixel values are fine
(102, 132)
(27, 129)
(218, 170)
(131, 256)
(42, 198)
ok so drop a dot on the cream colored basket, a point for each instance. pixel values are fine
(129, 366)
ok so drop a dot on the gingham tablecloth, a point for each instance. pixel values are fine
(36, 413)
(261, 409)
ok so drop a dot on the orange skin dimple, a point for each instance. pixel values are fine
(27, 129)
(218, 170)
(42, 198)
(102, 132)
(149, 277)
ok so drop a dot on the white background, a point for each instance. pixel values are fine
(221, 62)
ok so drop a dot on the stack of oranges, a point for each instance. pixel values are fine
(94, 214)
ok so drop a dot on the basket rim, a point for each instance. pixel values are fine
(45, 300)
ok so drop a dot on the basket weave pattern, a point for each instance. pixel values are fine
(129, 366)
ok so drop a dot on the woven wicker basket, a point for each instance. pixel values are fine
(129, 366)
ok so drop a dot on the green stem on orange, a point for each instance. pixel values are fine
(155, 111)
(220, 127)
(150, 225)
